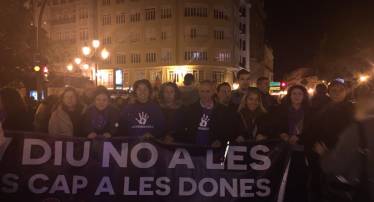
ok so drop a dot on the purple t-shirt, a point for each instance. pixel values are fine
(203, 128)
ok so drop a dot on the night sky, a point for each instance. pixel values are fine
(297, 28)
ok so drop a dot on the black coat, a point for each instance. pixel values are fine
(223, 124)
(91, 117)
(279, 123)
(250, 126)
(331, 121)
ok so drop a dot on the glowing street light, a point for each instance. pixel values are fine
(69, 67)
(363, 78)
(37, 68)
(86, 66)
(77, 61)
(235, 86)
(310, 91)
(86, 50)
(104, 54)
(96, 44)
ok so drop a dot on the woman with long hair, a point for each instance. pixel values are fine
(14, 114)
(66, 119)
(291, 122)
(252, 114)
(143, 116)
(171, 106)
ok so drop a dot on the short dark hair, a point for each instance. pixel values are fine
(242, 72)
(321, 88)
(101, 90)
(337, 82)
(188, 79)
(262, 78)
(222, 85)
(142, 82)
(174, 86)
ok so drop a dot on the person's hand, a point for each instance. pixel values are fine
(293, 140)
(147, 136)
(260, 137)
(284, 136)
(168, 139)
(320, 148)
(107, 135)
(240, 139)
(216, 144)
(92, 136)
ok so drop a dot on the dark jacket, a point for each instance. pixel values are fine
(320, 101)
(100, 122)
(279, 123)
(173, 119)
(236, 96)
(268, 101)
(331, 121)
(138, 119)
(252, 124)
(20, 121)
(223, 124)
(346, 159)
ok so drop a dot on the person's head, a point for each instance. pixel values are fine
(224, 93)
(321, 89)
(206, 90)
(11, 102)
(69, 98)
(243, 77)
(142, 90)
(252, 101)
(169, 93)
(263, 84)
(189, 79)
(297, 95)
(101, 98)
(337, 91)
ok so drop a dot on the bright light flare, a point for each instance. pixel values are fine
(104, 54)
(363, 78)
(96, 43)
(86, 50)
(69, 67)
(235, 86)
(77, 61)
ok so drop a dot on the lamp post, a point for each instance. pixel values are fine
(87, 52)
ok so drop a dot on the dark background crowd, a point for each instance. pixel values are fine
(323, 131)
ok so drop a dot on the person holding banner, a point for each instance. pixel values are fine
(66, 119)
(207, 122)
(100, 119)
(252, 114)
(143, 116)
(290, 122)
(171, 106)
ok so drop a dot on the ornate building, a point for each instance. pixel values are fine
(154, 39)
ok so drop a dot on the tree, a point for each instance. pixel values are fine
(17, 41)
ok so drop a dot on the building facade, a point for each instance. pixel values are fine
(154, 39)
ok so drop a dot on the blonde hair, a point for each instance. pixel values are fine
(243, 102)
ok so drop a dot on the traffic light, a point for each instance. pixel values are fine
(283, 85)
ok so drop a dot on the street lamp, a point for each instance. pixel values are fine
(104, 54)
(86, 66)
(77, 61)
(96, 43)
(86, 50)
(363, 78)
(69, 67)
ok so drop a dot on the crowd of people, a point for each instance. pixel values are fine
(213, 115)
